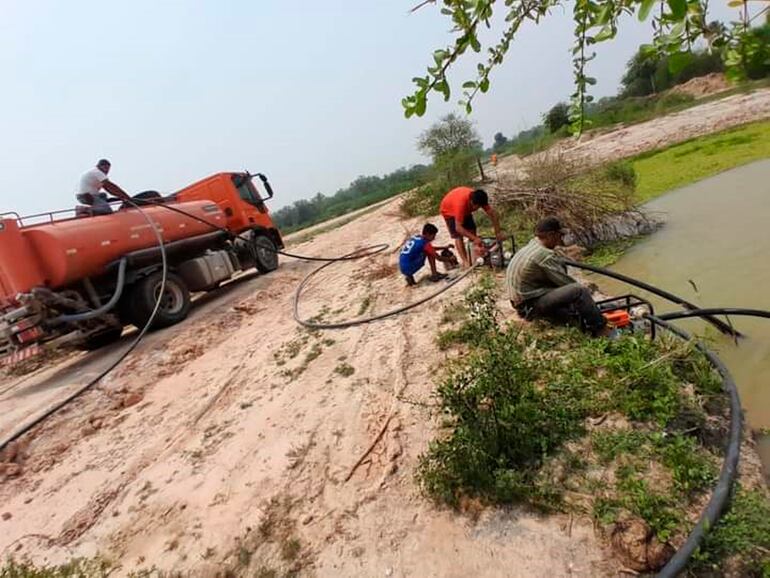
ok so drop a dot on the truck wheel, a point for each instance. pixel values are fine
(264, 251)
(102, 339)
(174, 304)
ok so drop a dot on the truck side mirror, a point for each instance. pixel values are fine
(265, 182)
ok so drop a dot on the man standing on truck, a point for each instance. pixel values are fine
(457, 208)
(92, 182)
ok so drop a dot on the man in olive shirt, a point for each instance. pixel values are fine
(539, 286)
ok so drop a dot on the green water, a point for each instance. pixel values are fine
(717, 236)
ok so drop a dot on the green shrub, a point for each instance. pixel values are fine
(622, 172)
(423, 200)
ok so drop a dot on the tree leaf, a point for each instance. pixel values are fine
(678, 61)
(605, 33)
(420, 105)
(469, 84)
(644, 9)
(484, 85)
(678, 8)
(647, 50)
(735, 3)
(604, 15)
(442, 86)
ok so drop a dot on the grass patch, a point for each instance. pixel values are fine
(471, 321)
(365, 305)
(605, 254)
(289, 351)
(290, 549)
(743, 532)
(558, 421)
(679, 165)
(75, 568)
(344, 369)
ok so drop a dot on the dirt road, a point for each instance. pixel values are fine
(230, 442)
(620, 142)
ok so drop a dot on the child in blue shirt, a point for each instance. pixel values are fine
(414, 253)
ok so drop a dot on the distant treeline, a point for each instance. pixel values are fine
(360, 193)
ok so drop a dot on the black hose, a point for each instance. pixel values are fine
(120, 284)
(80, 391)
(721, 493)
(718, 323)
(714, 311)
(233, 236)
(362, 320)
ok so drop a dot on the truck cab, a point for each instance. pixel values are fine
(239, 198)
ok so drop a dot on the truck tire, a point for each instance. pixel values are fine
(174, 307)
(265, 254)
(99, 340)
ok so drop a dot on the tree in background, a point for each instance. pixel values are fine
(649, 72)
(639, 78)
(676, 26)
(449, 135)
(454, 145)
(751, 58)
(557, 117)
(501, 141)
(362, 192)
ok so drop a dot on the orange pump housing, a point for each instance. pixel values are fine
(618, 318)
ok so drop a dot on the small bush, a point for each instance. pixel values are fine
(622, 172)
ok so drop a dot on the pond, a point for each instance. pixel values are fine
(714, 250)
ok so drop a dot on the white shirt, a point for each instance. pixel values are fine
(91, 181)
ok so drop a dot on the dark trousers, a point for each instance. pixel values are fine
(565, 304)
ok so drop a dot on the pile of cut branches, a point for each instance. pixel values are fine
(596, 203)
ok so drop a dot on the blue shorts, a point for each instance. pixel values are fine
(410, 268)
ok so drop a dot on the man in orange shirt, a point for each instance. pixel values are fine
(457, 208)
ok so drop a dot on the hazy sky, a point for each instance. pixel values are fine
(307, 92)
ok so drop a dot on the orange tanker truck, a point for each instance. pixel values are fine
(81, 279)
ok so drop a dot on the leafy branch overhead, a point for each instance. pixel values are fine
(676, 26)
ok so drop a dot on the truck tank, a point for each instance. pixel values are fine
(57, 254)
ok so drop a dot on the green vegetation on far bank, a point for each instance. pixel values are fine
(663, 170)
(682, 164)
(361, 193)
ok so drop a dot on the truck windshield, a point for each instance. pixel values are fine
(246, 190)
